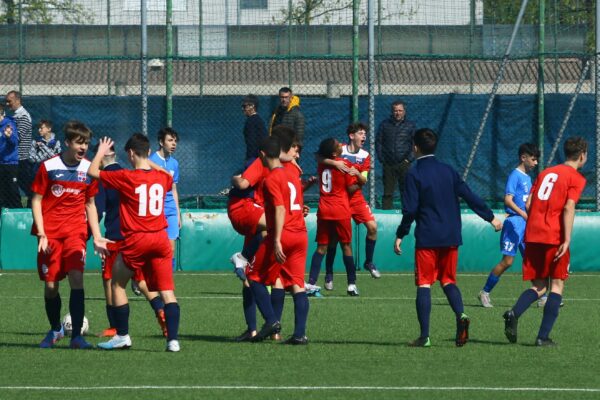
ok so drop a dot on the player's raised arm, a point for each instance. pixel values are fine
(104, 146)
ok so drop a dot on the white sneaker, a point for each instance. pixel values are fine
(329, 285)
(352, 290)
(238, 260)
(312, 288)
(484, 298)
(173, 346)
(117, 342)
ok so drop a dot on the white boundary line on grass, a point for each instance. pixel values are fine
(306, 388)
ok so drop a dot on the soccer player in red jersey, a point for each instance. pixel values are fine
(360, 159)
(551, 213)
(63, 197)
(286, 243)
(146, 244)
(333, 214)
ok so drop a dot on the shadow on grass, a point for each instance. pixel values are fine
(209, 338)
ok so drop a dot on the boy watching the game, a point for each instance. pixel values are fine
(146, 243)
(63, 206)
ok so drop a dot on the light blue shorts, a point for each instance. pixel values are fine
(513, 233)
(173, 228)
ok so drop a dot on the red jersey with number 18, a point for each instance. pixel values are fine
(283, 188)
(549, 194)
(142, 197)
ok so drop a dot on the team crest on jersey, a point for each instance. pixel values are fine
(81, 176)
(57, 190)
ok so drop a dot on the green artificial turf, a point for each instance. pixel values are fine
(357, 346)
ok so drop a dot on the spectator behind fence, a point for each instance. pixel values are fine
(394, 145)
(23, 120)
(9, 161)
(45, 146)
(288, 113)
(254, 127)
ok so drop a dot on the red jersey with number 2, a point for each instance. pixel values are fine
(283, 188)
(549, 194)
(333, 201)
(142, 196)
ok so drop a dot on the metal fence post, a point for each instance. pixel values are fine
(144, 69)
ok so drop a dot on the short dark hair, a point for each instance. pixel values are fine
(77, 130)
(426, 141)
(286, 135)
(355, 127)
(327, 147)
(46, 122)
(398, 103)
(529, 149)
(162, 134)
(271, 146)
(251, 99)
(574, 147)
(139, 144)
(285, 89)
(16, 93)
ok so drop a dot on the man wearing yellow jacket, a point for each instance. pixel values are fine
(288, 113)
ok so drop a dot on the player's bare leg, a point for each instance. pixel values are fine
(484, 295)
(241, 259)
(120, 279)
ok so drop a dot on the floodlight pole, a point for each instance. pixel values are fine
(371, 70)
(144, 69)
(169, 66)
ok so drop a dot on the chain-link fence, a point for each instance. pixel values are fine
(80, 59)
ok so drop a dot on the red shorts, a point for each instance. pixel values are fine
(361, 213)
(151, 253)
(244, 216)
(291, 272)
(435, 264)
(67, 254)
(328, 229)
(109, 262)
(538, 262)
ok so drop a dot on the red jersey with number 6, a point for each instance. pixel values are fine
(142, 196)
(334, 203)
(283, 188)
(549, 194)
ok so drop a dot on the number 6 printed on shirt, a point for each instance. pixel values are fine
(547, 186)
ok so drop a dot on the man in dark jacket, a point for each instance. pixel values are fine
(9, 162)
(254, 128)
(288, 113)
(393, 145)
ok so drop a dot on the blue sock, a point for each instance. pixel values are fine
(492, 280)
(53, 307)
(109, 315)
(315, 267)
(350, 269)
(369, 250)
(550, 314)
(524, 301)
(251, 247)
(455, 299)
(157, 304)
(77, 310)
(249, 308)
(329, 260)
(173, 264)
(277, 300)
(263, 301)
(172, 319)
(423, 303)
(121, 315)
(301, 307)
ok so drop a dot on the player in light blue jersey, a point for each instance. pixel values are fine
(163, 157)
(516, 193)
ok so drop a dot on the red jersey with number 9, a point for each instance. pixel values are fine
(142, 196)
(283, 188)
(549, 194)
(334, 203)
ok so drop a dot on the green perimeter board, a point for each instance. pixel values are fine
(207, 241)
